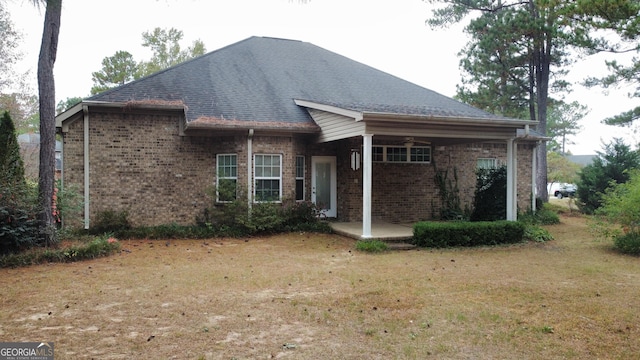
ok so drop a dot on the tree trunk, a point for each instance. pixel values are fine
(46, 90)
(543, 73)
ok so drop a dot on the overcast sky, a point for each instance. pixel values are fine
(388, 35)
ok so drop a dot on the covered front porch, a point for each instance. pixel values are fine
(405, 138)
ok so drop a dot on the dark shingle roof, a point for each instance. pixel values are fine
(257, 79)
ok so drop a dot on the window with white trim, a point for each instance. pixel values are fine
(299, 178)
(487, 163)
(227, 177)
(268, 177)
(401, 154)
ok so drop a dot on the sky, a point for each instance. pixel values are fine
(388, 35)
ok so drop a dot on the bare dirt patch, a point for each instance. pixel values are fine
(302, 296)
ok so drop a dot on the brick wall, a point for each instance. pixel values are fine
(140, 164)
(407, 192)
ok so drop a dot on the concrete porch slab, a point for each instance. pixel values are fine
(380, 230)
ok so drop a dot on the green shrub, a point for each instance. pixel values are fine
(543, 216)
(98, 247)
(449, 192)
(628, 243)
(490, 199)
(19, 226)
(450, 234)
(110, 221)
(611, 167)
(69, 201)
(372, 246)
(537, 234)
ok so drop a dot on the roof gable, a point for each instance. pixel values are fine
(257, 80)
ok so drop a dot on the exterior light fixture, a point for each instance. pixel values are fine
(355, 159)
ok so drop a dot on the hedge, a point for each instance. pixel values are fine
(454, 234)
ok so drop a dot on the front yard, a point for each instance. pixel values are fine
(304, 296)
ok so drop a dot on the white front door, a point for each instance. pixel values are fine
(324, 184)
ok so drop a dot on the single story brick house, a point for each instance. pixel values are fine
(284, 120)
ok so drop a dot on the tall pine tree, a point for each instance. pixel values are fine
(519, 50)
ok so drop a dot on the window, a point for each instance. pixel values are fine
(268, 177)
(487, 163)
(401, 154)
(227, 177)
(299, 178)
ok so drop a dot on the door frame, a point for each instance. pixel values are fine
(332, 210)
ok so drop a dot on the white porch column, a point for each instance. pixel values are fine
(511, 180)
(367, 146)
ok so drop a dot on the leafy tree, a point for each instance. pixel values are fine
(64, 105)
(165, 45)
(9, 42)
(122, 68)
(116, 70)
(47, 96)
(620, 207)
(620, 203)
(562, 122)
(519, 48)
(23, 108)
(612, 166)
(16, 96)
(561, 170)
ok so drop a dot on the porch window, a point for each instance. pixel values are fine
(488, 163)
(299, 178)
(401, 154)
(268, 177)
(227, 177)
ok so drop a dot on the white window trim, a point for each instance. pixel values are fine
(218, 177)
(256, 178)
(496, 163)
(408, 161)
(304, 172)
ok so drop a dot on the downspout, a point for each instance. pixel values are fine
(249, 170)
(85, 111)
(534, 170)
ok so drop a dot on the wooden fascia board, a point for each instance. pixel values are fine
(445, 120)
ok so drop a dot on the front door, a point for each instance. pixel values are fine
(323, 184)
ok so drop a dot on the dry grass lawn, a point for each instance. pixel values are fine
(309, 296)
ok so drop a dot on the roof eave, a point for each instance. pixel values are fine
(446, 120)
(138, 105)
(255, 125)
